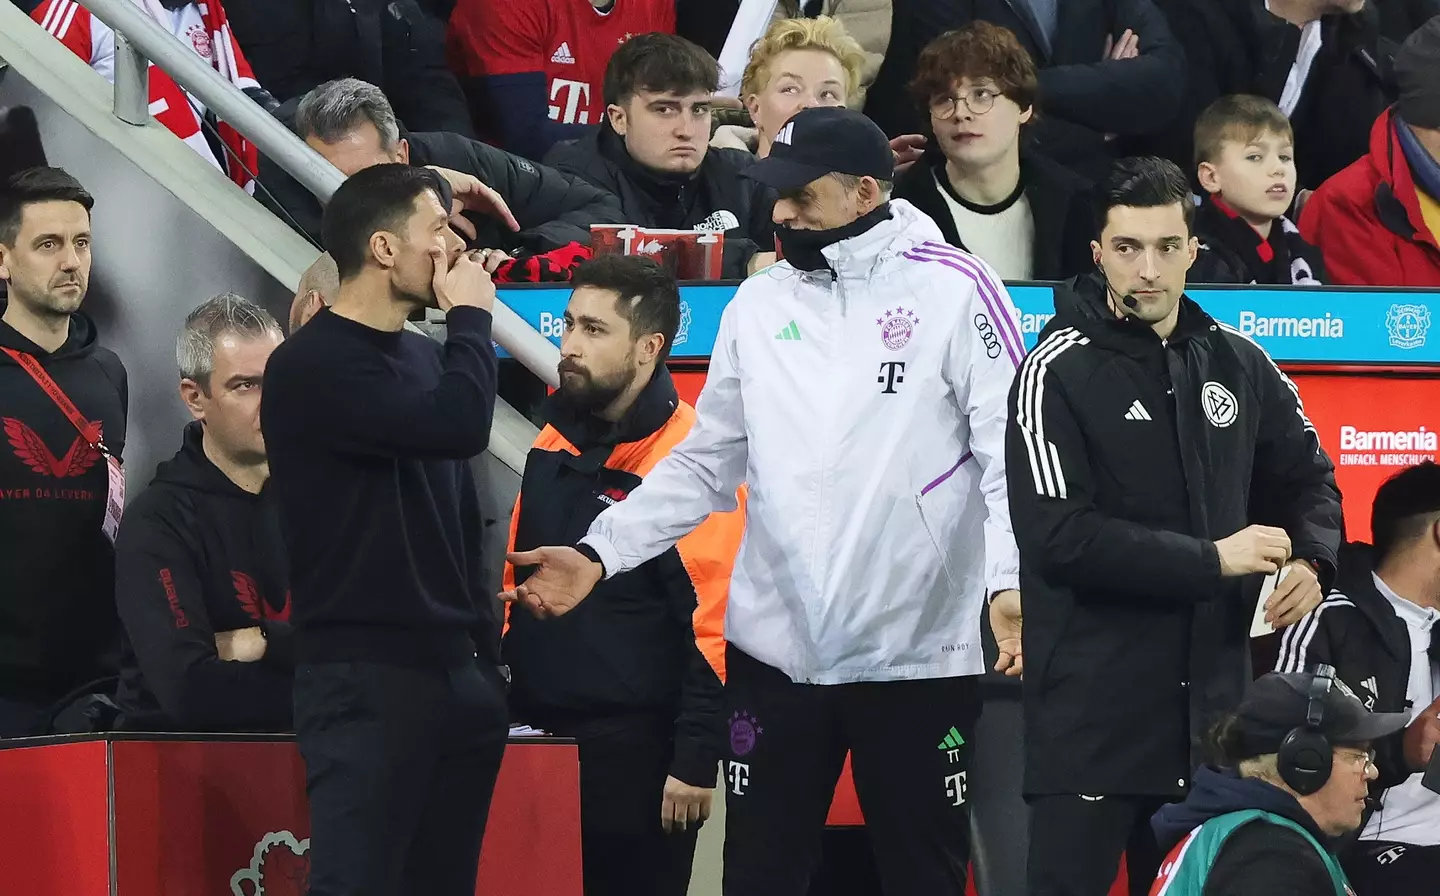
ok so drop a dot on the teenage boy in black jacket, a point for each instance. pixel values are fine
(1138, 427)
(200, 578)
(1025, 215)
(57, 607)
(1377, 628)
(653, 151)
(399, 697)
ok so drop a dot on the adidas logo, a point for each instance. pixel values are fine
(785, 134)
(1137, 412)
(562, 55)
(952, 740)
(790, 333)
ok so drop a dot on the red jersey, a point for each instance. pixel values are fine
(569, 40)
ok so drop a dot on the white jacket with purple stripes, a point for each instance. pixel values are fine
(866, 412)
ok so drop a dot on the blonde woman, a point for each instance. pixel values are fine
(797, 64)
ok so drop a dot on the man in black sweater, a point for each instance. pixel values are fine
(399, 699)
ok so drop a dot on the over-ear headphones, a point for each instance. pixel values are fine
(1306, 756)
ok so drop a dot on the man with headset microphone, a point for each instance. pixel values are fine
(1147, 443)
(1295, 762)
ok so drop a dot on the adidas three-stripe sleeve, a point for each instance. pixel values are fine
(1063, 536)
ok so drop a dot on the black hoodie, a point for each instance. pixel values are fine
(197, 555)
(57, 610)
(1148, 449)
(1258, 859)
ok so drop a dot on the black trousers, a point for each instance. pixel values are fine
(909, 744)
(624, 761)
(1382, 868)
(400, 764)
(1076, 843)
(19, 718)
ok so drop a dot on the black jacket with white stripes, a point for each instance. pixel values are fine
(1127, 457)
(1356, 630)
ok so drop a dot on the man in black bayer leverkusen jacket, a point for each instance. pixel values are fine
(632, 674)
(1145, 441)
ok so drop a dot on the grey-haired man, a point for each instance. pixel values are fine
(201, 579)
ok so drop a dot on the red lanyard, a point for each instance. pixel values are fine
(89, 430)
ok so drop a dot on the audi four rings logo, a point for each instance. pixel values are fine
(987, 333)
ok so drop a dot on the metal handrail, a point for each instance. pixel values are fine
(140, 40)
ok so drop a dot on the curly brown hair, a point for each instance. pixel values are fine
(979, 50)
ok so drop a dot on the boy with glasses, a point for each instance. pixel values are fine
(1022, 213)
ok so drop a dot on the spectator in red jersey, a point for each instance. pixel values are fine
(352, 125)
(533, 68)
(1027, 216)
(297, 45)
(203, 28)
(652, 150)
(1378, 221)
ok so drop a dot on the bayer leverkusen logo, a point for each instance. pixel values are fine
(280, 867)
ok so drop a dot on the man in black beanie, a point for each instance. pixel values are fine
(1377, 223)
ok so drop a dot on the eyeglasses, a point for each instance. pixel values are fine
(1363, 758)
(978, 101)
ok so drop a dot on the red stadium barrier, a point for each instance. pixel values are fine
(186, 816)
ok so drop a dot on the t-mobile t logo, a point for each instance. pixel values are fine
(955, 788)
(576, 93)
(738, 774)
(892, 373)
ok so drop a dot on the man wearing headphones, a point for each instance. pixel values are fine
(1296, 759)
(1159, 465)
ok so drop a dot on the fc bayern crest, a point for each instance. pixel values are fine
(744, 732)
(682, 332)
(200, 38)
(1408, 325)
(896, 328)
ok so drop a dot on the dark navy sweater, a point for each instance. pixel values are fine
(368, 433)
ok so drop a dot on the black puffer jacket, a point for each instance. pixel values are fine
(1128, 457)
(553, 209)
(716, 197)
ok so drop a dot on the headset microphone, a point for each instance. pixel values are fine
(1127, 300)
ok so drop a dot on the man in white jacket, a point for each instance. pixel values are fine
(859, 388)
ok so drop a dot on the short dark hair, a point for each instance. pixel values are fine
(380, 197)
(648, 297)
(35, 185)
(1405, 506)
(662, 63)
(1142, 182)
(1239, 117)
(978, 50)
